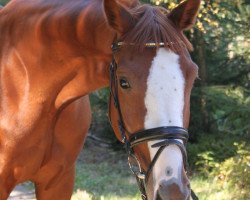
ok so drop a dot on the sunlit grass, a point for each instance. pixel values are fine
(213, 189)
(206, 189)
(103, 174)
(110, 179)
(83, 195)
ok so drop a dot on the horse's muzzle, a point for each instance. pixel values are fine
(170, 190)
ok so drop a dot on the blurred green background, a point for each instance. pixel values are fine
(219, 151)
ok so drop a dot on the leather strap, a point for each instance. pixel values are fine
(166, 132)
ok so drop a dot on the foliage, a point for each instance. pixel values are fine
(228, 59)
(229, 110)
(235, 171)
(225, 158)
(3, 2)
(210, 189)
(100, 123)
(209, 151)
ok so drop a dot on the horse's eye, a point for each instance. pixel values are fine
(124, 83)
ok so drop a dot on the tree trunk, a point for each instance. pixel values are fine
(201, 61)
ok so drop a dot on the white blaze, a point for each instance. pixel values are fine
(164, 102)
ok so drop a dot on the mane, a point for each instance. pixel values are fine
(152, 25)
(51, 19)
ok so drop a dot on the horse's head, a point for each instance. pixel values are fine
(151, 80)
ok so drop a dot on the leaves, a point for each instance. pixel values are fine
(3, 2)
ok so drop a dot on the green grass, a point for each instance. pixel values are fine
(104, 175)
(108, 178)
(103, 179)
(126, 189)
(213, 189)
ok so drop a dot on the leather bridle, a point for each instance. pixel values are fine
(168, 135)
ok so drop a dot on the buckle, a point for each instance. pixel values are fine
(141, 176)
(135, 166)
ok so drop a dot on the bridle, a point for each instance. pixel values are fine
(168, 135)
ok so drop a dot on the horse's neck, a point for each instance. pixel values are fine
(65, 48)
(80, 24)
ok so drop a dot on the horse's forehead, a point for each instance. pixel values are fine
(132, 59)
(141, 62)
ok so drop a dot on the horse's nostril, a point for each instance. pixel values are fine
(163, 184)
(171, 190)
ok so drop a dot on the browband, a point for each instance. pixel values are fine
(117, 45)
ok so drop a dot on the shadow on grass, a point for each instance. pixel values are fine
(104, 174)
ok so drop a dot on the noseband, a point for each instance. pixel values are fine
(168, 135)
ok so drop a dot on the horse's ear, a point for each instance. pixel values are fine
(118, 16)
(184, 15)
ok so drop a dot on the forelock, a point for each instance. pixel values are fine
(151, 24)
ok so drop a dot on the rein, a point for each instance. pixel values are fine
(168, 135)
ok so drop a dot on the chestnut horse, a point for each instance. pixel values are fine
(53, 53)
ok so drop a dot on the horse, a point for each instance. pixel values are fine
(54, 53)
